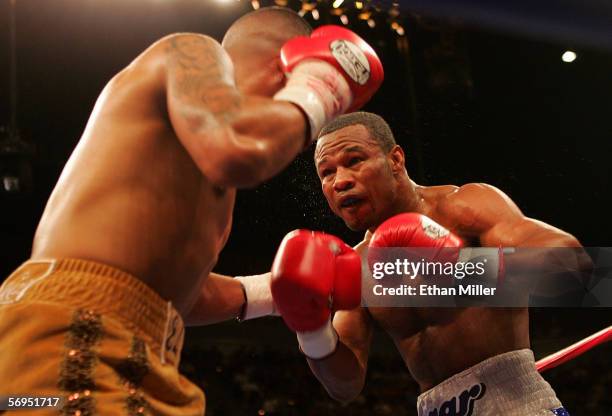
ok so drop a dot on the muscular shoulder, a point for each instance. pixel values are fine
(485, 195)
(432, 193)
(197, 66)
(184, 52)
(475, 207)
(186, 42)
(193, 50)
(481, 189)
(182, 41)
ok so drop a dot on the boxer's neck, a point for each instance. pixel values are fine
(408, 200)
(411, 200)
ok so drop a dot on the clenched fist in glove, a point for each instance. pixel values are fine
(331, 72)
(313, 275)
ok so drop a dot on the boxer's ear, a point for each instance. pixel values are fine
(397, 159)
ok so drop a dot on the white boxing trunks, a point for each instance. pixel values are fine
(505, 385)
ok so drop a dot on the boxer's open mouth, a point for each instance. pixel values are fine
(350, 202)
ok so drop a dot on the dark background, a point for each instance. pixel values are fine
(467, 104)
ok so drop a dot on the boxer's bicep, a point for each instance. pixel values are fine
(202, 101)
(527, 232)
(474, 209)
(200, 83)
(502, 223)
(236, 140)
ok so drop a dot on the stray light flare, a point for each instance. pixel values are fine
(569, 56)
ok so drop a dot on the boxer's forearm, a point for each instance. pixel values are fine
(341, 374)
(544, 255)
(548, 272)
(221, 298)
(249, 144)
(265, 135)
(235, 140)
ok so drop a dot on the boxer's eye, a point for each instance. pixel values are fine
(353, 161)
(325, 173)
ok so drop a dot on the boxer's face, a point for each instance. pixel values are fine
(357, 177)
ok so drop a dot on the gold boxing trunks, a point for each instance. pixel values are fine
(94, 336)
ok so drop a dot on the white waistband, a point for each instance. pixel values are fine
(507, 384)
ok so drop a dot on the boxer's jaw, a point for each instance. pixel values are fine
(357, 218)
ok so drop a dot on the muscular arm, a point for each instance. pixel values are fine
(483, 211)
(497, 221)
(236, 140)
(221, 298)
(343, 373)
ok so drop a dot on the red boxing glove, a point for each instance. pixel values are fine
(416, 230)
(310, 270)
(330, 73)
(412, 230)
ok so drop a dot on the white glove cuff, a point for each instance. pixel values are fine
(259, 300)
(319, 343)
(309, 102)
(319, 90)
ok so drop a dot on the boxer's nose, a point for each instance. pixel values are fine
(343, 180)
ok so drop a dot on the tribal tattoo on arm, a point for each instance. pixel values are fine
(201, 81)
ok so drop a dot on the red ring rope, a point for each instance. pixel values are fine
(574, 350)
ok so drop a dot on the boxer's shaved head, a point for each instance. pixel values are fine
(254, 42)
(376, 126)
(272, 26)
